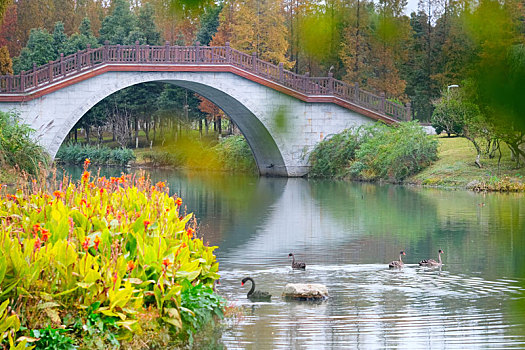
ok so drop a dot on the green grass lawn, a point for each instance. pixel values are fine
(456, 168)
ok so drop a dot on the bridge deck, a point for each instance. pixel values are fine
(87, 63)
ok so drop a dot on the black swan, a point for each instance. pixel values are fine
(397, 263)
(297, 265)
(432, 262)
(256, 294)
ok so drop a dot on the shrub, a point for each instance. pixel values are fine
(164, 158)
(332, 156)
(235, 154)
(375, 152)
(77, 153)
(17, 148)
(396, 153)
(96, 255)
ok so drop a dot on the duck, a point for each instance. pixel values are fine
(297, 265)
(432, 262)
(255, 294)
(397, 263)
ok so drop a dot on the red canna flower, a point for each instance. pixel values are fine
(178, 201)
(160, 184)
(101, 191)
(85, 176)
(38, 244)
(36, 229)
(184, 245)
(83, 201)
(146, 224)
(87, 162)
(131, 266)
(114, 278)
(45, 235)
(96, 242)
(58, 194)
(166, 262)
(190, 232)
(85, 245)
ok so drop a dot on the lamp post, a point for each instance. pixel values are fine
(451, 86)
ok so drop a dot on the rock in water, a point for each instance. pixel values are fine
(302, 291)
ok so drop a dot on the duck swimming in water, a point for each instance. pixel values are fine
(297, 265)
(432, 262)
(397, 263)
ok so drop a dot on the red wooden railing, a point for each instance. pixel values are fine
(77, 63)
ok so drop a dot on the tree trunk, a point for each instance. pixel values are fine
(76, 135)
(87, 134)
(219, 127)
(206, 126)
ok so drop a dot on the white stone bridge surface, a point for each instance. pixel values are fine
(283, 115)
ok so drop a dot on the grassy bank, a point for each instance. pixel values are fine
(455, 167)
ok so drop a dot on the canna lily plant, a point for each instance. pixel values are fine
(122, 243)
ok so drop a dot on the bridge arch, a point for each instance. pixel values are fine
(264, 149)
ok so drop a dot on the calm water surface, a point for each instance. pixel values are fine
(347, 233)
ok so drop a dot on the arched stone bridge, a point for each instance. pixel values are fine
(53, 97)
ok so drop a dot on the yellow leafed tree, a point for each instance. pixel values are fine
(255, 26)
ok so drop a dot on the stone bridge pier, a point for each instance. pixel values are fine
(280, 128)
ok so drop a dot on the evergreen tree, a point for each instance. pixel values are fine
(40, 50)
(147, 25)
(80, 40)
(59, 38)
(117, 27)
(209, 22)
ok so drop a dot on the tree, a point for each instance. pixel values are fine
(59, 39)
(464, 118)
(80, 40)
(6, 64)
(8, 31)
(117, 27)
(39, 50)
(446, 116)
(255, 26)
(146, 24)
(209, 22)
(4, 4)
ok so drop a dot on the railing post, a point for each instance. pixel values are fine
(228, 52)
(197, 51)
(306, 80)
(22, 81)
(356, 92)
(330, 83)
(35, 78)
(105, 56)
(62, 65)
(9, 83)
(167, 51)
(79, 63)
(50, 71)
(382, 106)
(137, 52)
(281, 72)
(408, 111)
(88, 55)
(254, 61)
(118, 53)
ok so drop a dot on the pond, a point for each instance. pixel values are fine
(347, 233)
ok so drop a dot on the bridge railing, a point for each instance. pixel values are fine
(81, 61)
